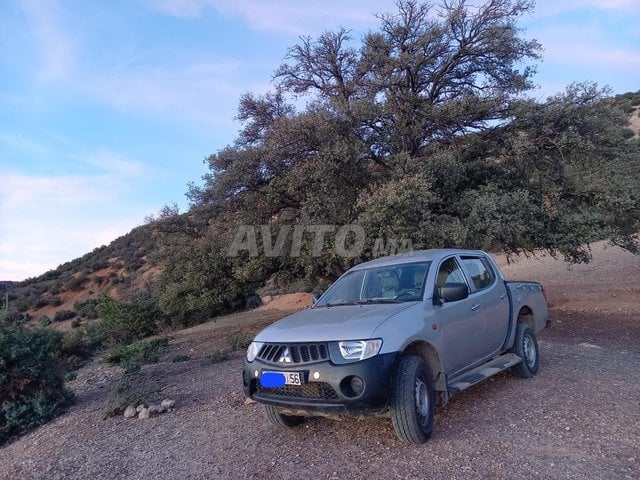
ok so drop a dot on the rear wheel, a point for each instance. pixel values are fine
(282, 420)
(412, 401)
(526, 347)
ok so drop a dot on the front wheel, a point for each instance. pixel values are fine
(412, 401)
(282, 420)
(526, 347)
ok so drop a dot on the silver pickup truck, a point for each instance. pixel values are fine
(397, 336)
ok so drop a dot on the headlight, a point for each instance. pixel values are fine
(252, 351)
(360, 349)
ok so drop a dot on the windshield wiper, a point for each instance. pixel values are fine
(370, 301)
(338, 304)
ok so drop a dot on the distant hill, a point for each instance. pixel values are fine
(120, 270)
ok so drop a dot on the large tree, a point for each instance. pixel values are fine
(422, 131)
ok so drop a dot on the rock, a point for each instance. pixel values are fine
(144, 414)
(139, 407)
(156, 409)
(130, 412)
(167, 403)
(249, 401)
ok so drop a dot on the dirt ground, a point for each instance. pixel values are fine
(578, 418)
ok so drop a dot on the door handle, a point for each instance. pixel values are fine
(503, 296)
(475, 308)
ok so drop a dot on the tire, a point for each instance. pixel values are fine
(282, 420)
(412, 401)
(526, 347)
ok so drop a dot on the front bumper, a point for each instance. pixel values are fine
(327, 386)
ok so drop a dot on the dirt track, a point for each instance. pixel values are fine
(577, 419)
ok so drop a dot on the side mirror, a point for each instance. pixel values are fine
(453, 292)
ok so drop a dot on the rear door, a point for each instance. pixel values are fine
(462, 323)
(491, 292)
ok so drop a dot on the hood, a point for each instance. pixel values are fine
(322, 324)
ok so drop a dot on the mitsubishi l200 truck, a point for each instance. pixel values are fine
(397, 336)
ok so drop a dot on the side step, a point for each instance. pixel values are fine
(484, 371)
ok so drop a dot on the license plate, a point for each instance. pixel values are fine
(279, 379)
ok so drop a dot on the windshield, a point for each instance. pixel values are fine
(388, 284)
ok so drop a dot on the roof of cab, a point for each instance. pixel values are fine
(416, 256)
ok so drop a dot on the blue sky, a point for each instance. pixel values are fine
(107, 108)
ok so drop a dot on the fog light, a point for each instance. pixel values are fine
(352, 386)
(357, 385)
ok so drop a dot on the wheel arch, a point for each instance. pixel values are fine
(525, 315)
(430, 355)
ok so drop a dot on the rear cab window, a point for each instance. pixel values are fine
(480, 273)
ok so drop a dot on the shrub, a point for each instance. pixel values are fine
(44, 320)
(240, 341)
(87, 308)
(55, 301)
(124, 322)
(181, 358)
(75, 323)
(253, 301)
(217, 356)
(31, 378)
(76, 282)
(81, 343)
(131, 389)
(41, 302)
(63, 315)
(136, 354)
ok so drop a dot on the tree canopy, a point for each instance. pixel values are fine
(423, 130)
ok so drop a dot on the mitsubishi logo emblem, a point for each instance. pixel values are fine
(285, 357)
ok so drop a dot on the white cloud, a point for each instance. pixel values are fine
(288, 16)
(202, 91)
(54, 46)
(49, 220)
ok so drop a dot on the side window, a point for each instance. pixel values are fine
(480, 274)
(449, 272)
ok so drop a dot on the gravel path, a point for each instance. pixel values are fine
(577, 419)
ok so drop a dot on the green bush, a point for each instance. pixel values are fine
(124, 322)
(87, 308)
(240, 341)
(55, 301)
(31, 377)
(131, 389)
(181, 358)
(136, 354)
(217, 356)
(79, 344)
(63, 315)
(44, 320)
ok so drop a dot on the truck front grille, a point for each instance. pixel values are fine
(296, 353)
(311, 391)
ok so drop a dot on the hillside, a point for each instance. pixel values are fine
(120, 270)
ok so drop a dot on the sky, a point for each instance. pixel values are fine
(108, 108)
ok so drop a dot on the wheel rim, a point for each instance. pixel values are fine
(530, 353)
(422, 399)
